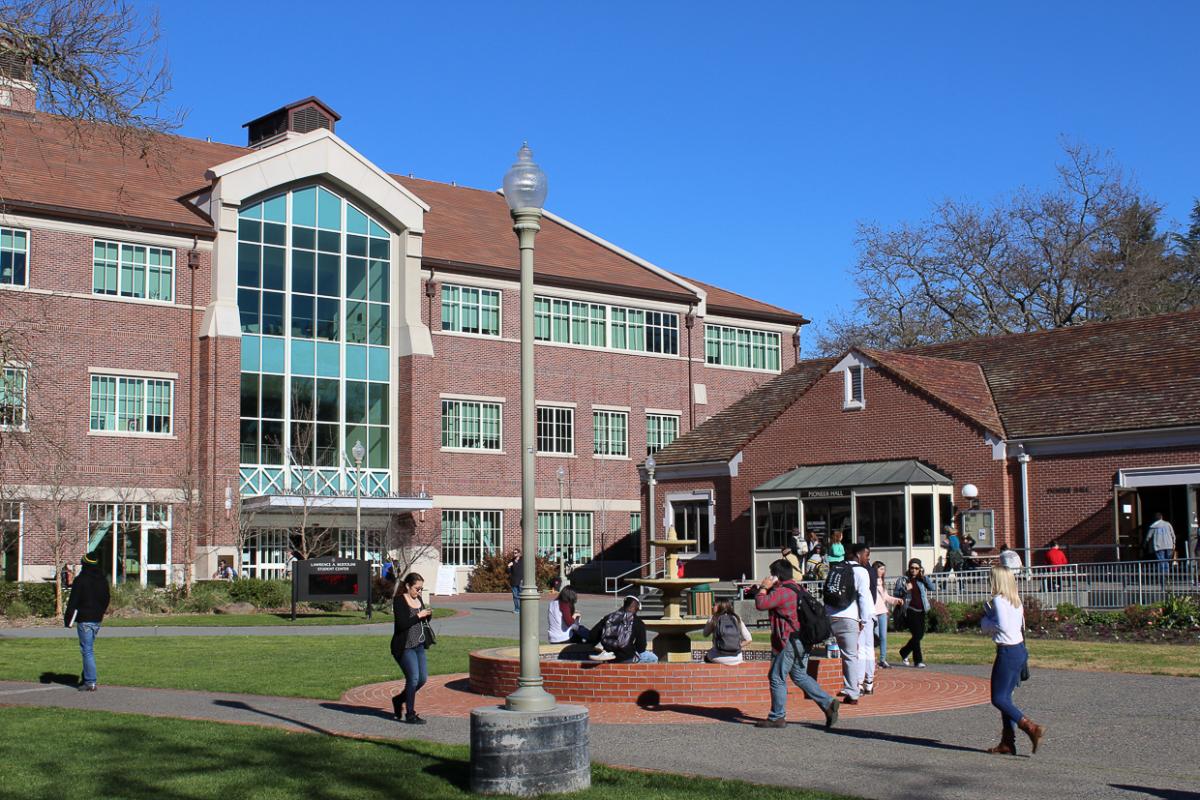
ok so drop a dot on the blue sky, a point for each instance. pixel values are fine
(738, 143)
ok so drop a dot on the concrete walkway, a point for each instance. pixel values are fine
(1110, 736)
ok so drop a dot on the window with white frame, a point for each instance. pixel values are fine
(568, 532)
(691, 519)
(468, 536)
(131, 404)
(610, 433)
(471, 425)
(741, 347)
(555, 430)
(12, 398)
(854, 386)
(14, 257)
(466, 309)
(265, 554)
(367, 546)
(133, 270)
(661, 430)
(599, 325)
(10, 541)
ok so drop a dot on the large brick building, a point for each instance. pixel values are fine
(192, 319)
(1078, 435)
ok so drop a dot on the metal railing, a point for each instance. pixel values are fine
(615, 584)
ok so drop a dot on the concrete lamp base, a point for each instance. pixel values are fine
(527, 753)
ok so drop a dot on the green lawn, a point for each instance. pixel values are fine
(49, 754)
(294, 666)
(247, 620)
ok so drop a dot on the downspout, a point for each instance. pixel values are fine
(690, 322)
(193, 262)
(1023, 459)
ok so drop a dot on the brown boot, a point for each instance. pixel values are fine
(1034, 731)
(1008, 743)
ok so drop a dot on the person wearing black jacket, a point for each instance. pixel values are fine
(635, 649)
(85, 610)
(408, 645)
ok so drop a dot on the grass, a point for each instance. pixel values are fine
(247, 620)
(49, 754)
(1133, 657)
(292, 666)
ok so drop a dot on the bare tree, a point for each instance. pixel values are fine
(91, 60)
(299, 460)
(410, 542)
(1087, 249)
(188, 484)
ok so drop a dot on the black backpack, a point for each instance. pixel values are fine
(727, 637)
(814, 625)
(839, 586)
(618, 631)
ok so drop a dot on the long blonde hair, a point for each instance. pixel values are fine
(1001, 582)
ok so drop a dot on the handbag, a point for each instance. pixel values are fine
(1025, 671)
(427, 634)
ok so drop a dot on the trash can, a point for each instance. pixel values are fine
(700, 601)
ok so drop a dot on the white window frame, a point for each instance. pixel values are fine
(458, 404)
(557, 529)
(651, 319)
(459, 287)
(257, 548)
(557, 410)
(28, 251)
(23, 406)
(770, 342)
(609, 414)
(852, 402)
(458, 517)
(145, 524)
(121, 248)
(369, 547)
(19, 519)
(121, 381)
(650, 450)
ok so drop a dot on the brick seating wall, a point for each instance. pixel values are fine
(644, 684)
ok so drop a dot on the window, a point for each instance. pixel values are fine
(692, 522)
(568, 532)
(14, 257)
(468, 536)
(10, 541)
(469, 310)
(555, 430)
(133, 270)
(661, 430)
(774, 521)
(922, 519)
(471, 425)
(598, 325)
(264, 554)
(132, 541)
(854, 386)
(741, 347)
(881, 520)
(365, 547)
(611, 433)
(12, 398)
(131, 404)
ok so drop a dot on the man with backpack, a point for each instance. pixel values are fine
(851, 611)
(797, 622)
(622, 634)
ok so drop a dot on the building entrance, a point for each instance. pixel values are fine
(827, 515)
(1136, 510)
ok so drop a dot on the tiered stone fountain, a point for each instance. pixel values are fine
(672, 643)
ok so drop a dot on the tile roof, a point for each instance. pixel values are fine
(721, 437)
(723, 301)
(957, 384)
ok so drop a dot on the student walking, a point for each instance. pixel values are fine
(913, 589)
(85, 610)
(781, 595)
(1004, 618)
(848, 604)
(409, 644)
(1160, 540)
(883, 601)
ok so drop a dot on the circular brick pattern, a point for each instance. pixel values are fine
(898, 691)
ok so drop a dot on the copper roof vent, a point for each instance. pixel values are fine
(302, 116)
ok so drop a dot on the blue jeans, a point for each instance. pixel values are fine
(1006, 674)
(793, 660)
(416, 672)
(1164, 560)
(646, 657)
(881, 635)
(87, 640)
(516, 589)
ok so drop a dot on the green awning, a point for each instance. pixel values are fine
(849, 476)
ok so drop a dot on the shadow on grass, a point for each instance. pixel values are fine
(64, 678)
(1164, 794)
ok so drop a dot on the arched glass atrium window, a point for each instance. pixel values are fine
(313, 295)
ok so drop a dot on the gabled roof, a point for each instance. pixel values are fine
(865, 473)
(958, 384)
(720, 438)
(311, 99)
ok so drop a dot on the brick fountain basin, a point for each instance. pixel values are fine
(571, 678)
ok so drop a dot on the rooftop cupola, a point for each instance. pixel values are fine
(294, 119)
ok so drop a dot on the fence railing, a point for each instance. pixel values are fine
(615, 584)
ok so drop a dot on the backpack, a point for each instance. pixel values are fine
(839, 586)
(814, 625)
(727, 636)
(618, 631)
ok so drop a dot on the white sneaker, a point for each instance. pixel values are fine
(920, 665)
(603, 656)
(907, 661)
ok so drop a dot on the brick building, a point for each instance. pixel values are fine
(186, 319)
(1078, 435)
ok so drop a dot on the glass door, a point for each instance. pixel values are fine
(156, 546)
(129, 544)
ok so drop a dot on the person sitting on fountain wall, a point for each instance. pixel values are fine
(622, 634)
(564, 625)
(729, 634)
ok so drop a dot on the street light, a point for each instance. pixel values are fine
(358, 451)
(562, 573)
(650, 481)
(525, 191)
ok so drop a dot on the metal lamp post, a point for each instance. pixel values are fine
(562, 572)
(650, 482)
(358, 451)
(525, 191)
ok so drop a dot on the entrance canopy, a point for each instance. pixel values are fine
(340, 504)
(855, 475)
